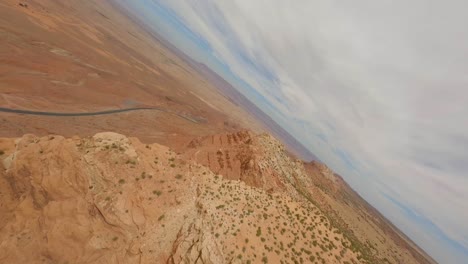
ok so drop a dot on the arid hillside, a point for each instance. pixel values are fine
(89, 56)
(113, 199)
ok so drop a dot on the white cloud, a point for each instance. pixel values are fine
(385, 81)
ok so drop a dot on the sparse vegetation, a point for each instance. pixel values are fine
(289, 228)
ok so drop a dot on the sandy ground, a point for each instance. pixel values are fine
(89, 56)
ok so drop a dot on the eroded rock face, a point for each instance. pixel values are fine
(195, 244)
(86, 200)
(244, 156)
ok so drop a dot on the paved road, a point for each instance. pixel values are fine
(107, 112)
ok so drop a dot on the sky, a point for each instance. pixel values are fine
(378, 90)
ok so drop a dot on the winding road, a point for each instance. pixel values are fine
(106, 112)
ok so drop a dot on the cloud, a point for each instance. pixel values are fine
(376, 89)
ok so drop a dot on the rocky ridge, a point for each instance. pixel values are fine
(228, 198)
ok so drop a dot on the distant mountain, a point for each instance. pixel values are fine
(237, 98)
(293, 145)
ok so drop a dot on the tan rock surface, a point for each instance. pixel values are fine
(113, 199)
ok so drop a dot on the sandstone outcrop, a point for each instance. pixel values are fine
(228, 198)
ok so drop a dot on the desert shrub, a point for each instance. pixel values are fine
(259, 231)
